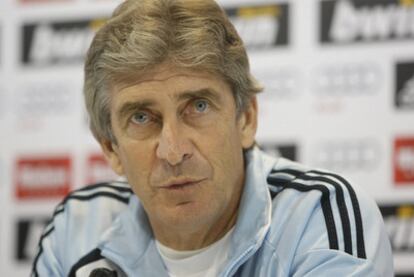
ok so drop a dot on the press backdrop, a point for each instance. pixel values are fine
(339, 79)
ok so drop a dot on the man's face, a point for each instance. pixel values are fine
(180, 145)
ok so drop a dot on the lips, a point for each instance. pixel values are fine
(180, 184)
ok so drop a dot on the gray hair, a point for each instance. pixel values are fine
(142, 34)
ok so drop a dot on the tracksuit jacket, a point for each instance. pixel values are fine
(292, 221)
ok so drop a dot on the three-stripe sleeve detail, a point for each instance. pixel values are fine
(121, 194)
(357, 212)
(319, 182)
(325, 204)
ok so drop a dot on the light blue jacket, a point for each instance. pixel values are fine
(293, 221)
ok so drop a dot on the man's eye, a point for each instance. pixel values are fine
(141, 118)
(201, 105)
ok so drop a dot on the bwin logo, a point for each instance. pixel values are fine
(406, 94)
(54, 43)
(261, 26)
(346, 21)
(404, 85)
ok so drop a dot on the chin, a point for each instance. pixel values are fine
(189, 215)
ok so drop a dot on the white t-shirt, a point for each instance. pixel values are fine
(208, 261)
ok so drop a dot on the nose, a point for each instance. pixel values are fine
(174, 146)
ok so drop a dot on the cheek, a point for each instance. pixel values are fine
(224, 149)
(137, 160)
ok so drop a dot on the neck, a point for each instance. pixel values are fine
(196, 240)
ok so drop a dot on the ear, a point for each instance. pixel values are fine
(111, 153)
(248, 124)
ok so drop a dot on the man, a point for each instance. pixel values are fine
(172, 103)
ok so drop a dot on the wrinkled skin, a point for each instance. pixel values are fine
(179, 142)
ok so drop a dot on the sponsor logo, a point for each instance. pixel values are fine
(347, 154)
(42, 177)
(99, 170)
(349, 21)
(350, 79)
(404, 93)
(28, 232)
(280, 84)
(288, 151)
(399, 221)
(44, 98)
(48, 43)
(404, 161)
(262, 26)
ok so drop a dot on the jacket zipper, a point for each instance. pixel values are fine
(238, 262)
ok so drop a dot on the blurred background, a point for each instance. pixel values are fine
(339, 95)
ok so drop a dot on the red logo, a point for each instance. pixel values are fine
(43, 177)
(99, 170)
(404, 161)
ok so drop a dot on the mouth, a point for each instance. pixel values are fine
(181, 184)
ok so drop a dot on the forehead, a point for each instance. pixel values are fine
(167, 82)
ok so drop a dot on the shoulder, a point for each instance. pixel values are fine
(84, 199)
(79, 221)
(321, 210)
(96, 202)
(324, 199)
(93, 206)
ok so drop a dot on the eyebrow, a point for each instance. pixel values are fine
(129, 107)
(204, 92)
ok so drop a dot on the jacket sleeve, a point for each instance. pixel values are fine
(370, 254)
(77, 225)
(46, 261)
